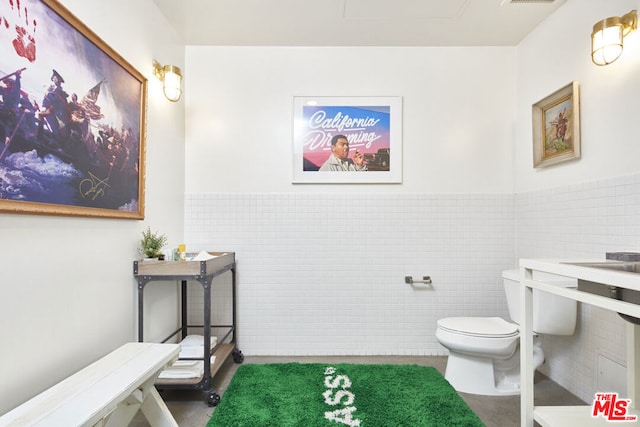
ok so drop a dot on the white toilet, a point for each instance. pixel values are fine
(483, 351)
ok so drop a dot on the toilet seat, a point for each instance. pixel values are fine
(488, 327)
(490, 337)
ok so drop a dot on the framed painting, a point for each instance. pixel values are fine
(72, 118)
(556, 127)
(347, 139)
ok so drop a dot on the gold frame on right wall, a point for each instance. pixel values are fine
(556, 127)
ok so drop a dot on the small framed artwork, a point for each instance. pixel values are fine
(556, 127)
(72, 118)
(347, 139)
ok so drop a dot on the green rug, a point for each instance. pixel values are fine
(326, 395)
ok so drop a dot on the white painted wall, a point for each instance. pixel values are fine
(555, 54)
(67, 292)
(458, 103)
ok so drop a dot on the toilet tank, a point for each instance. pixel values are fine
(552, 314)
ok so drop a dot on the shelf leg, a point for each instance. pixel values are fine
(141, 284)
(526, 350)
(633, 364)
(183, 308)
(206, 284)
(233, 302)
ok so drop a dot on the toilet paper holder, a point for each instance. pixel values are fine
(410, 281)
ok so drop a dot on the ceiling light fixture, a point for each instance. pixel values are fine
(607, 35)
(171, 78)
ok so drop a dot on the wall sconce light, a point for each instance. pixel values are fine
(171, 78)
(607, 35)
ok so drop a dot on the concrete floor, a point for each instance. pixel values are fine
(190, 409)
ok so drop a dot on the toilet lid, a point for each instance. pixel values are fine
(479, 326)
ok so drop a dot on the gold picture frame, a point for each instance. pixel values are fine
(556, 127)
(72, 118)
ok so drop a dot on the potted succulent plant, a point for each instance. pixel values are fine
(151, 243)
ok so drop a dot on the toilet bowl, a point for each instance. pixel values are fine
(484, 355)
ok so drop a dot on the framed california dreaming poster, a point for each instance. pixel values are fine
(347, 139)
(556, 127)
(72, 118)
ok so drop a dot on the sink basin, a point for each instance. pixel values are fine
(611, 291)
(631, 267)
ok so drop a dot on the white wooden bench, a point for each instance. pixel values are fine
(109, 392)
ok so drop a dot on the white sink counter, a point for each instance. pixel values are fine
(562, 416)
(622, 279)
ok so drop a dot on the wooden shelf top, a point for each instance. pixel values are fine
(221, 261)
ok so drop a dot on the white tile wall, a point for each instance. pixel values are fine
(581, 221)
(323, 273)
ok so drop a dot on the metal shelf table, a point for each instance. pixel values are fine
(203, 272)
